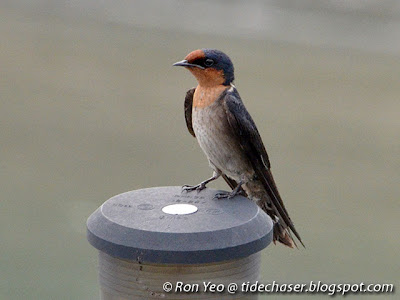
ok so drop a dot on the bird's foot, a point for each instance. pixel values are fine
(229, 195)
(189, 188)
(201, 185)
(226, 195)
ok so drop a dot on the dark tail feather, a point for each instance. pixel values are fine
(280, 211)
(283, 236)
(281, 233)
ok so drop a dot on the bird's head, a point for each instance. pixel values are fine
(209, 66)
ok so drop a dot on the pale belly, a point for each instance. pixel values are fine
(218, 143)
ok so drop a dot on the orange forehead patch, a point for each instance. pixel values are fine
(196, 54)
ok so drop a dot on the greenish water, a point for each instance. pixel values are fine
(91, 109)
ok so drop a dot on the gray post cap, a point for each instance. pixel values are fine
(166, 225)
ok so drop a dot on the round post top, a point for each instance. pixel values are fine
(168, 226)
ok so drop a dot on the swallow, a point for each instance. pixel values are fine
(216, 116)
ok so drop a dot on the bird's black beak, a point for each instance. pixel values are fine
(185, 63)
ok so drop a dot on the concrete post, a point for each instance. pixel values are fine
(161, 243)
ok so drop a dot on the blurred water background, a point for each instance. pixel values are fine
(91, 107)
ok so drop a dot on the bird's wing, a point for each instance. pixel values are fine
(250, 141)
(188, 110)
(188, 106)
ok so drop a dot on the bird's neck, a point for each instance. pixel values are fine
(207, 95)
(208, 77)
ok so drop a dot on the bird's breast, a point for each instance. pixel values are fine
(217, 139)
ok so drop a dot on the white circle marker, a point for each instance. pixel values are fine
(180, 209)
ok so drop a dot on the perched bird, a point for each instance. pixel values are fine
(225, 131)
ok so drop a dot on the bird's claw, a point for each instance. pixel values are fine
(224, 195)
(189, 188)
(227, 195)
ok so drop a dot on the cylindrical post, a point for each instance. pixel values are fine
(163, 243)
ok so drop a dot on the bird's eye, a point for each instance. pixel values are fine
(209, 62)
